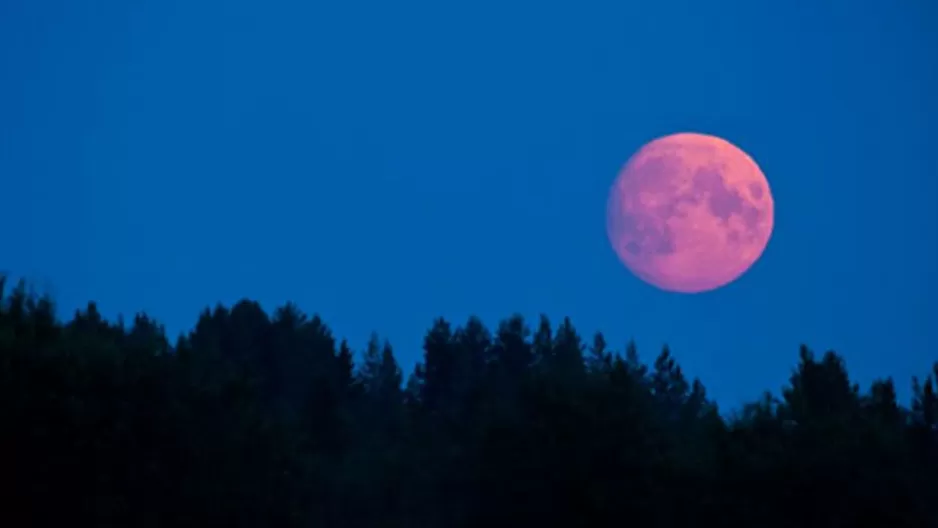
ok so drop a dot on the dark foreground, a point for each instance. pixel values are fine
(258, 420)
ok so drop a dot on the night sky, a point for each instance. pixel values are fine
(384, 163)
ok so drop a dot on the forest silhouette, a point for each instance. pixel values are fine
(267, 420)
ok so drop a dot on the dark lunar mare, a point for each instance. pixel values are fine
(724, 201)
(645, 234)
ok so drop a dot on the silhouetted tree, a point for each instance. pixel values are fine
(256, 420)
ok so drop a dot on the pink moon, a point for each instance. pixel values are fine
(690, 213)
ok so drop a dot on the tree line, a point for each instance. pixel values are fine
(256, 419)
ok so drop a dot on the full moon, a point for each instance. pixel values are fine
(690, 213)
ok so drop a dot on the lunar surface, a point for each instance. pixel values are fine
(690, 213)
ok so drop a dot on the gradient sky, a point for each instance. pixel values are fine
(383, 163)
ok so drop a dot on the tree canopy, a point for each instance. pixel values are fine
(253, 419)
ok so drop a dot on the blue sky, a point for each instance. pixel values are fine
(384, 163)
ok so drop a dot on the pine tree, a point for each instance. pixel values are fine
(600, 360)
